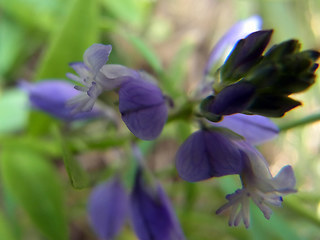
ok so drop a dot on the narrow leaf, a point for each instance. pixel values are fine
(146, 52)
(13, 111)
(77, 176)
(6, 231)
(78, 31)
(35, 186)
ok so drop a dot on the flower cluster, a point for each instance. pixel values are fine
(249, 87)
(253, 83)
(247, 83)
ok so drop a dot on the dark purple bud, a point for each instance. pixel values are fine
(206, 154)
(143, 108)
(51, 96)
(108, 209)
(232, 99)
(151, 213)
(245, 55)
(238, 31)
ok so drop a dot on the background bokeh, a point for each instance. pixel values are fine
(171, 39)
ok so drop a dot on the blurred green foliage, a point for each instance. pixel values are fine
(171, 40)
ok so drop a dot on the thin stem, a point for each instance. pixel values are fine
(184, 113)
(300, 122)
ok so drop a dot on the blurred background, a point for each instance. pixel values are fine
(170, 39)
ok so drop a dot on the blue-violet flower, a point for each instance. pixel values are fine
(151, 212)
(148, 207)
(108, 208)
(217, 152)
(259, 185)
(52, 95)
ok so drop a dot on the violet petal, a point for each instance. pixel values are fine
(108, 208)
(285, 180)
(232, 99)
(112, 71)
(51, 96)
(143, 108)
(96, 56)
(207, 154)
(254, 128)
(81, 69)
(152, 215)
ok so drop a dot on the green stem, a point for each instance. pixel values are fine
(300, 122)
(295, 205)
(184, 113)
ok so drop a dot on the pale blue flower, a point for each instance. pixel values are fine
(95, 76)
(259, 185)
(148, 208)
(51, 96)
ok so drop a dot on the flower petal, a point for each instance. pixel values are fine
(112, 71)
(96, 56)
(81, 69)
(51, 96)
(152, 214)
(285, 180)
(207, 154)
(254, 128)
(143, 108)
(238, 31)
(108, 208)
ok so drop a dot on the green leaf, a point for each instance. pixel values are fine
(36, 187)
(77, 176)
(145, 51)
(13, 110)
(39, 123)
(45, 146)
(119, 9)
(6, 231)
(275, 228)
(34, 13)
(78, 31)
(11, 36)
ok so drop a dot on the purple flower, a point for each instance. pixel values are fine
(151, 213)
(141, 102)
(215, 153)
(143, 107)
(206, 154)
(51, 96)
(259, 185)
(148, 207)
(108, 208)
(95, 77)
(254, 128)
